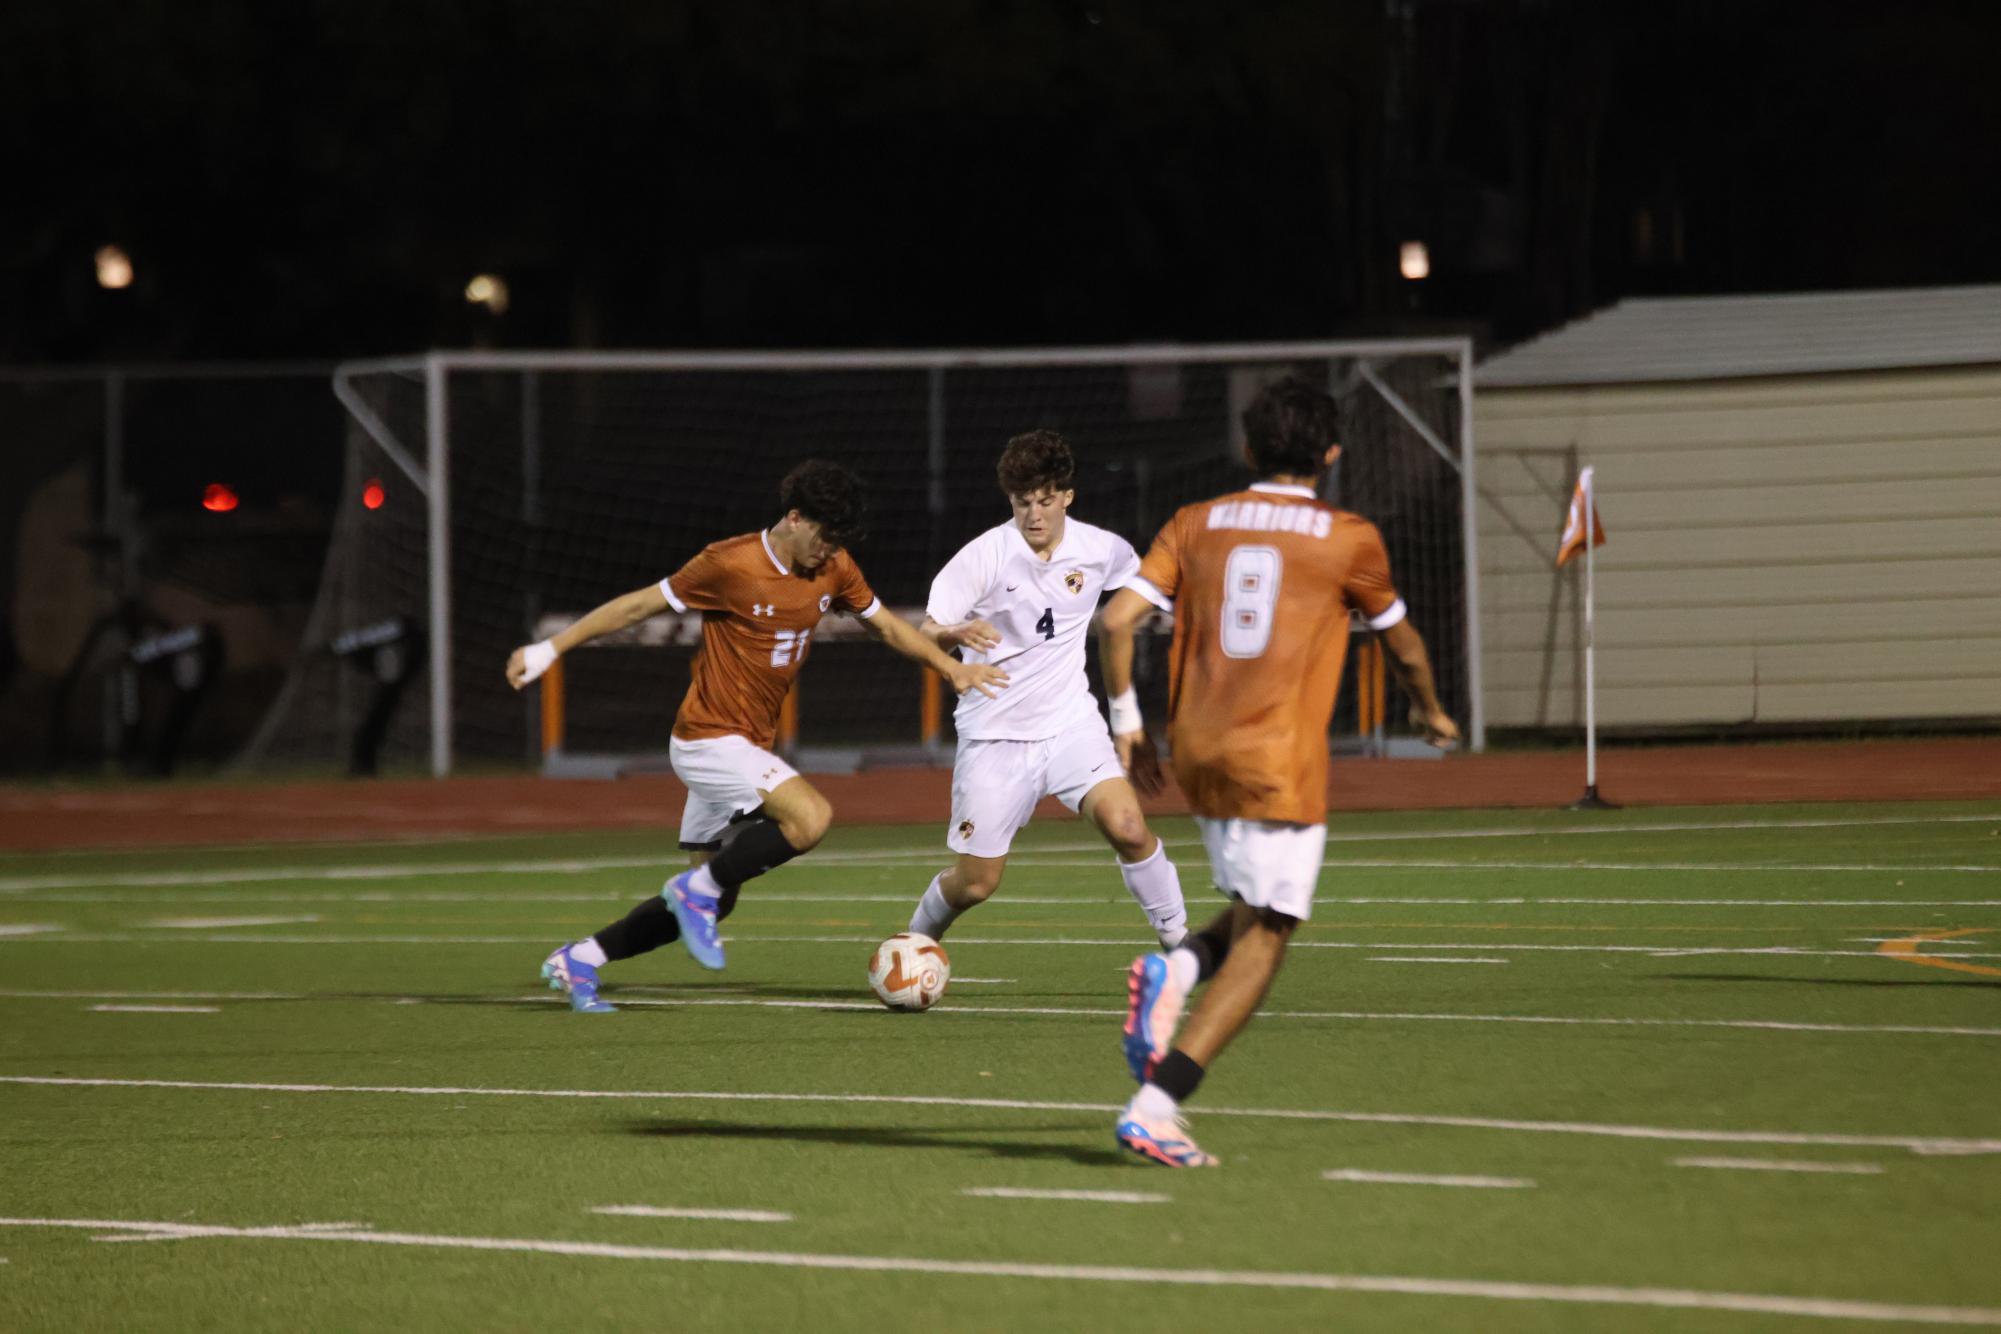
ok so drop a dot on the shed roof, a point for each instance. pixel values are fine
(1720, 337)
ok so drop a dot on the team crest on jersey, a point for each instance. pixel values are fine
(826, 601)
(965, 829)
(1074, 581)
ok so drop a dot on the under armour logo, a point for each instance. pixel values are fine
(763, 609)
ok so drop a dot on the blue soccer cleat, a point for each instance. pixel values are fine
(1162, 1140)
(1153, 1012)
(578, 980)
(696, 912)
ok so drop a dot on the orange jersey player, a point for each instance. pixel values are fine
(1261, 583)
(761, 597)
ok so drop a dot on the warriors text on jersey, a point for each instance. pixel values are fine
(1042, 610)
(1261, 583)
(757, 620)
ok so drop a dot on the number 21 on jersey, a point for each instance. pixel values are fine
(1250, 591)
(789, 645)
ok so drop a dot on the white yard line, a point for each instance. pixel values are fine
(1781, 1165)
(1920, 1144)
(225, 923)
(1415, 958)
(24, 929)
(1097, 1196)
(156, 1009)
(718, 1215)
(625, 996)
(1829, 1308)
(1424, 1179)
(585, 865)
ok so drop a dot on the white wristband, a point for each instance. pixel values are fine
(1125, 713)
(538, 658)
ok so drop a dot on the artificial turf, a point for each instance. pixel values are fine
(1766, 1000)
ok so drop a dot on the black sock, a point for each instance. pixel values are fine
(750, 853)
(647, 927)
(1177, 1075)
(1210, 946)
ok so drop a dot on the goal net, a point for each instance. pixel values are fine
(518, 490)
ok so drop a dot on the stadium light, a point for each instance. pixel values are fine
(489, 290)
(372, 494)
(218, 498)
(114, 268)
(1414, 261)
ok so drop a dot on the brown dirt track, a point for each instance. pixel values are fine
(48, 817)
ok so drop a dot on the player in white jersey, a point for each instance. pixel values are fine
(1025, 594)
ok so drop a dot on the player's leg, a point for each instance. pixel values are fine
(788, 816)
(1272, 870)
(1150, 877)
(995, 785)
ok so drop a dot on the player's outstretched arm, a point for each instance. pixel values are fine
(974, 634)
(1118, 625)
(1412, 666)
(531, 660)
(904, 637)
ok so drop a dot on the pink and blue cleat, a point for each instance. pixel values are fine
(1153, 1012)
(1162, 1140)
(696, 912)
(578, 980)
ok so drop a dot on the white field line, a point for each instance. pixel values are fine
(1828, 1308)
(1415, 958)
(1781, 1165)
(574, 866)
(16, 930)
(192, 1231)
(1423, 1179)
(1096, 1196)
(156, 1009)
(718, 1215)
(225, 923)
(1654, 951)
(1920, 1144)
(625, 997)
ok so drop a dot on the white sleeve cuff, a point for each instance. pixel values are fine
(874, 606)
(1395, 612)
(666, 591)
(1146, 590)
(537, 658)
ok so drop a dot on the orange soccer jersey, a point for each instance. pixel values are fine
(757, 620)
(1262, 582)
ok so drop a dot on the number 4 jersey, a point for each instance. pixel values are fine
(1042, 610)
(1261, 583)
(758, 619)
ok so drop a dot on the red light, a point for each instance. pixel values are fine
(218, 499)
(372, 495)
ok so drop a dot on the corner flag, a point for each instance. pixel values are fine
(1582, 501)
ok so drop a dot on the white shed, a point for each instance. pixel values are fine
(1802, 500)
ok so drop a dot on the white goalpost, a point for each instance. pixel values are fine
(525, 487)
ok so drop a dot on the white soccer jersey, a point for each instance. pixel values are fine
(1042, 610)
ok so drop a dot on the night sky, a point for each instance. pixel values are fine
(304, 178)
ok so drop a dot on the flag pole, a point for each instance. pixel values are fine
(1591, 801)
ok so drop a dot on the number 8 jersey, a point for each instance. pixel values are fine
(1261, 584)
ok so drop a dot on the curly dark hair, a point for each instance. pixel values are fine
(831, 495)
(1288, 427)
(1034, 460)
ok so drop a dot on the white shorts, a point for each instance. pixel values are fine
(1267, 865)
(995, 784)
(726, 776)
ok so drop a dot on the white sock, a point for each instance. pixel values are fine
(1157, 886)
(934, 916)
(705, 883)
(1184, 969)
(590, 952)
(1153, 1103)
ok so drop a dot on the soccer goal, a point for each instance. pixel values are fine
(512, 491)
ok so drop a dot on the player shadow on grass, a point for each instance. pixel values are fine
(882, 1137)
(1834, 981)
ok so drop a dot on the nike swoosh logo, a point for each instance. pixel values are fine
(1012, 587)
(1100, 765)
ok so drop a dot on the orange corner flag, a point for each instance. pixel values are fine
(1582, 501)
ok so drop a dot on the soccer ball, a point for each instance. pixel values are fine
(909, 971)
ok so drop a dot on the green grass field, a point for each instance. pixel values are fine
(1668, 1075)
